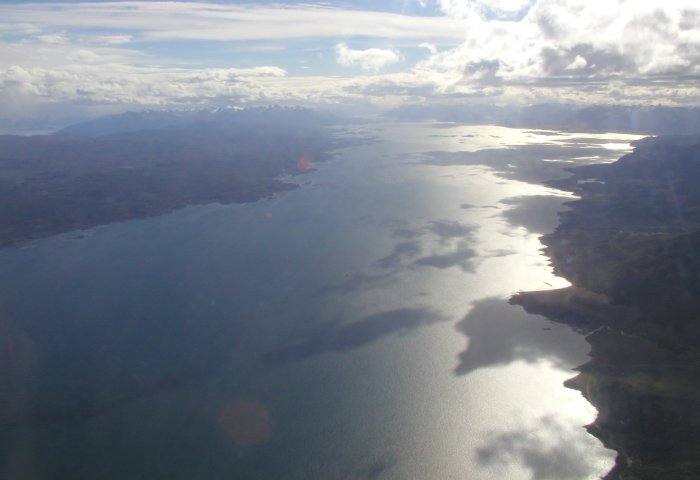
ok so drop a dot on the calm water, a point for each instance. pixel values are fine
(355, 328)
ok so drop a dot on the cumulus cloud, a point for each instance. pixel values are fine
(430, 47)
(369, 59)
(578, 63)
(551, 44)
(528, 51)
(501, 9)
(139, 85)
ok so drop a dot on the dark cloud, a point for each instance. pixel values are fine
(549, 25)
(500, 333)
(336, 337)
(690, 19)
(483, 72)
(558, 62)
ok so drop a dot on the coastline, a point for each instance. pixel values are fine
(628, 247)
(74, 180)
(645, 392)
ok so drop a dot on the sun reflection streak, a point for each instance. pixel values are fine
(521, 394)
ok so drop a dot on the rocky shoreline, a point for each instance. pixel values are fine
(631, 248)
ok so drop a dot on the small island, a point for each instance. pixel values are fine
(631, 248)
(144, 164)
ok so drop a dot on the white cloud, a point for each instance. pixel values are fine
(113, 39)
(139, 85)
(501, 9)
(369, 59)
(212, 21)
(48, 55)
(577, 64)
(58, 38)
(625, 51)
(588, 41)
(430, 47)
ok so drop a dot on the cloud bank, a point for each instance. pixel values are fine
(503, 51)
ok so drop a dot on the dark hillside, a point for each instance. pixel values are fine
(102, 171)
(631, 247)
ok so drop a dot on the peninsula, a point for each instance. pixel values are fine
(143, 164)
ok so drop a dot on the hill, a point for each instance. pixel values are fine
(631, 248)
(150, 163)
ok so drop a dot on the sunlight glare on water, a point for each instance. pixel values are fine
(356, 326)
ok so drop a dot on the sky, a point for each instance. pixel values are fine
(61, 61)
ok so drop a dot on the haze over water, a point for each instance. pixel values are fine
(354, 328)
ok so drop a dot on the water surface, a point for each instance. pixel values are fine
(354, 328)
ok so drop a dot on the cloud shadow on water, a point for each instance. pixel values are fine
(372, 470)
(336, 337)
(469, 206)
(447, 230)
(537, 213)
(447, 244)
(401, 251)
(357, 281)
(463, 257)
(500, 333)
(443, 244)
(548, 449)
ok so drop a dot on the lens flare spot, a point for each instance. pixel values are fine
(305, 163)
(246, 422)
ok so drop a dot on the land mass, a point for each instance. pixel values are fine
(144, 164)
(631, 248)
(650, 120)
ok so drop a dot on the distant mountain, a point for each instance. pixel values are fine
(200, 119)
(135, 121)
(597, 118)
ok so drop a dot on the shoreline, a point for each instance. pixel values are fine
(63, 182)
(645, 391)
(627, 246)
